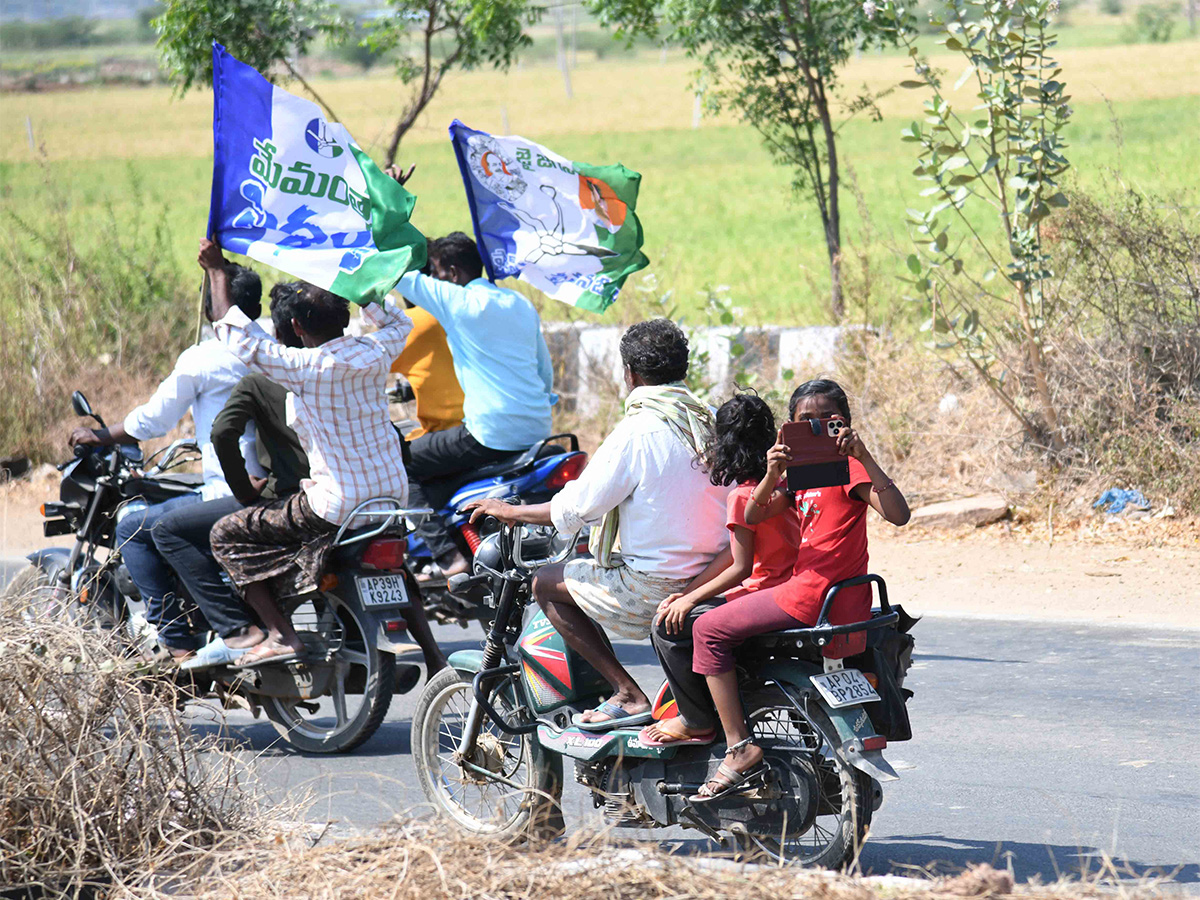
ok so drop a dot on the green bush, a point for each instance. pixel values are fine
(1154, 22)
(107, 320)
(1112, 7)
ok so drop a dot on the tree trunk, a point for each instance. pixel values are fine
(1037, 363)
(837, 304)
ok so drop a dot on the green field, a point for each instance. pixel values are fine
(715, 210)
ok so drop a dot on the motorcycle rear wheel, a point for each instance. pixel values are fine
(474, 802)
(335, 624)
(843, 796)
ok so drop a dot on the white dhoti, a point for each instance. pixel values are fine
(619, 599)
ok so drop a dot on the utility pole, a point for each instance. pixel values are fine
(561, 50)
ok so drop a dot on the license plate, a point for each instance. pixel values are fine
(382, 590)
(848, 687)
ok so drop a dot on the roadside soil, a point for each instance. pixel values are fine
(1092, 568)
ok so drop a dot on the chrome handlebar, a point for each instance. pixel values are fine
(170, 452)
(518, 537)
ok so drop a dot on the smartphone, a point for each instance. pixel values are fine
(815, 458)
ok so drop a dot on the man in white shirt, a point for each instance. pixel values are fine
(645, 492)
(203, 377)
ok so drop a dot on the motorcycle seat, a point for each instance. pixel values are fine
(508, 465)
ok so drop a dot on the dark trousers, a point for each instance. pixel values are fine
(675, 654)
(182, 537)
(438, 461)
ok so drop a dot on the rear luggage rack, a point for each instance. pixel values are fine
(388, 517)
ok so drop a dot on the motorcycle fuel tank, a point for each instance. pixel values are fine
(553, 674)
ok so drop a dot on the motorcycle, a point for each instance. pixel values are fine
(492, 731)
(530, 476)
(353, 626)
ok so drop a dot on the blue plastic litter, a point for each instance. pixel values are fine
(1114, 500)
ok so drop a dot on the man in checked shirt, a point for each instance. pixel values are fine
(338, 408)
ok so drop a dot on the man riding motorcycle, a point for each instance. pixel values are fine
(642, 491)
(203, 377)
(494, 334)
(341, 415)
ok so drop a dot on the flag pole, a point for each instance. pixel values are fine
(204, 289)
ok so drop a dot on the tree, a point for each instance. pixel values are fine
(260, 33)
(434, 36)
(776, 63)
(430, 38)
(984, 278)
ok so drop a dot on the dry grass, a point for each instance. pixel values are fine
(428, 863)
(100, 779)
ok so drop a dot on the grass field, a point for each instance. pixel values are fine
(715, 210)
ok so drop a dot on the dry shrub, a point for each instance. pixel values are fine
(937, 433)
(428, 863)
(104, 320)
(100, 778)
(1125, 361)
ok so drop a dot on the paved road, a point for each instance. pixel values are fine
(1046, 744)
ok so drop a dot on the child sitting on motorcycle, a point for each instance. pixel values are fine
(832, 547)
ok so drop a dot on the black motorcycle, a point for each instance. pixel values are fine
(337, 693)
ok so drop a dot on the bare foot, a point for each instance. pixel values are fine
(669, 731)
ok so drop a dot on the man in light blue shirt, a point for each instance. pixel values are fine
(503, 365)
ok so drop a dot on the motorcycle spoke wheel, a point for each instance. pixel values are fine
(360, 682)
(842, 793)
(494, 801)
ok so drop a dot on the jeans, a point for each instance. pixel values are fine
(152, 576)
(181, 536)
(437, 462)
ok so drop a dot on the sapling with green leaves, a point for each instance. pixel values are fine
(992, 167)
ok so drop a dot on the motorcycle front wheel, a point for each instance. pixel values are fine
(360, 688)
(505, 789)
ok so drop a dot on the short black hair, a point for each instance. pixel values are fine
(322, 313)
(283, 310)
(657, 350)
(245, 291)
(823, 387)
(744, 432)
(458, 250)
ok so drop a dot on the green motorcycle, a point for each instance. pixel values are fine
(492, 730)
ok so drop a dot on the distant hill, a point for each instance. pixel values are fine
(34, 10)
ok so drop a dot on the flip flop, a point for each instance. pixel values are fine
(617, 718)
(736, 782)
(243, 663)
(704, 737)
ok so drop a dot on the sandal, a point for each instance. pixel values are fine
(729, 780)
(618, 717)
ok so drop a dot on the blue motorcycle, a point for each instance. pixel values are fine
(529, 476)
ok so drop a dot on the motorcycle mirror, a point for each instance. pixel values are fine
(83, 408)
(80, 404)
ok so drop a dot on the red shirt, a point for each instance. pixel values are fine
(775, 542)
(833, 547)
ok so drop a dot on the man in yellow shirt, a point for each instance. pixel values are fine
(429, 367)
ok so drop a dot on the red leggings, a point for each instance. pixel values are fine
(717, 632)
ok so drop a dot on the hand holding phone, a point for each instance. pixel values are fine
(815, 458)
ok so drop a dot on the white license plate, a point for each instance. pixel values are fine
(382, 590)
(848, 687)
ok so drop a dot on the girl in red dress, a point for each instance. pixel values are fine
(832, 547)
